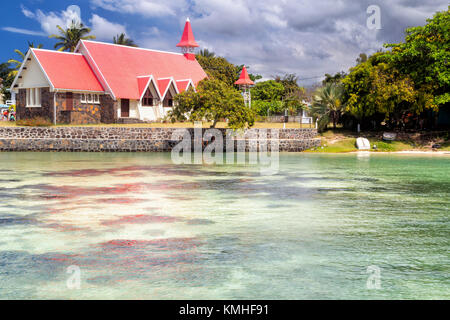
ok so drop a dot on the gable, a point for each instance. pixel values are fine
(32, 75)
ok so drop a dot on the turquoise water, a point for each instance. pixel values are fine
(139, 227)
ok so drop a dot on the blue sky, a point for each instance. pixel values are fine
(306, 37)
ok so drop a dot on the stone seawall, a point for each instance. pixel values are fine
(121, 139)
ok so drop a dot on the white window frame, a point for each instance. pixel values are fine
(33, 97)
(92, 98)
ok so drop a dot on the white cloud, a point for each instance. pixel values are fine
(104, 29)
(149, 8)
(27, 13)
(101, 27)
(24, 31)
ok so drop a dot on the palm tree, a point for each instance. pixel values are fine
(327, 104)
(207, 54)
(70, 37)
(123, 40)
(18, 63)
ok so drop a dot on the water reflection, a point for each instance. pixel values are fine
(140, 227)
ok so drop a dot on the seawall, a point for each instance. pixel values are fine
(129, 139)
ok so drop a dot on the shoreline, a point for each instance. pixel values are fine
(407, 152)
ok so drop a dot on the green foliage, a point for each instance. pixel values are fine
(375, 86)
(268, 91)
(219, 68)
(213, 101)
(69, 38)
(123, 40)
(425, 57)
(35, 122)
(328, 104)
(266, 108)
(5, 80)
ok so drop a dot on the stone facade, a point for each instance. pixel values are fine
(45, 111)
(78, 113)
(142, 139)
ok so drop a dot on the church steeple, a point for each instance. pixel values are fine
(187, 42)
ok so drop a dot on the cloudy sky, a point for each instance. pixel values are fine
(306, 37)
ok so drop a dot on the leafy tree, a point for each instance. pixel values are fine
(269, 90)
(375, 86)
(18, 63)
(219, 68)
(69, 38)
(328, 104)
(123, 40)
(425, 56)
(5, 80)
(213, 101)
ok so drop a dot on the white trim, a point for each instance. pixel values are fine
(52, 87)
(56, 51)
(189, 82)
(20, 70)
(97, 68)
(172, 81)
(136, 48)
(80, 91)
(151, 78)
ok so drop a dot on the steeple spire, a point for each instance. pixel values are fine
(187, 42)
(244, 79)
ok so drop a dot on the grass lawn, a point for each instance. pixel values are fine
(339, 141)
(258, 125)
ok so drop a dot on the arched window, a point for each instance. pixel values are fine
(148, 99)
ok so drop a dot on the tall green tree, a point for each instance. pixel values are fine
(213, 101)
(425, 57)
(69, 38)
(328, 104)
(375, 86)
(123, 40)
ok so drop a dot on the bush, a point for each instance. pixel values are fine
(35, 122)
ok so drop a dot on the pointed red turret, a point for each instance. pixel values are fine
(244, 79)
(187, 39)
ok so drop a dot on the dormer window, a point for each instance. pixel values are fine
(148, 99)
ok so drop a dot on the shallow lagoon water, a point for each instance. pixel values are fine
(140, 227)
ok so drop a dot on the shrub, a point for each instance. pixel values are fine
(35, 122)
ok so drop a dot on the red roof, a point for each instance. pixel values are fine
(244, 79)
(68, 71)
(182, 85)
(163, 84)
(187, 39)
(121, 65)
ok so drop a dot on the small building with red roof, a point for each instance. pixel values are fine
(105, 83)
